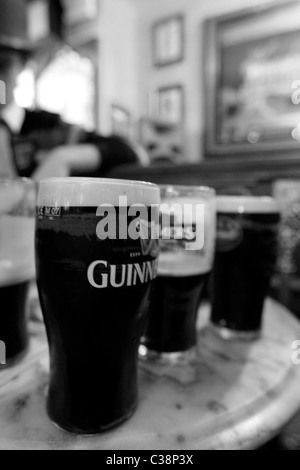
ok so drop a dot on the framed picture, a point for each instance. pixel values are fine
(120, 121)
(168, 41)
(252, 64)
(168, 105)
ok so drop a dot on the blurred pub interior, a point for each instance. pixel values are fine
(204, 86)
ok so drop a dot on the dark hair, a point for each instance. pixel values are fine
(115, 151)
(119, 152)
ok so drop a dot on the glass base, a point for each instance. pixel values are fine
(231, 335)
(180, 357)
(93, 432)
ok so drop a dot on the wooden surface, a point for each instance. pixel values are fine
(233, 396)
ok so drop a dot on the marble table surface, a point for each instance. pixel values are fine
(234, 395)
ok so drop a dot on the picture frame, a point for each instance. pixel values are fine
(168, 40)
(120, 121)
(250, 69)
(167, 105)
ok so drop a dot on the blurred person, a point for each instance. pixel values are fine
(39, 144)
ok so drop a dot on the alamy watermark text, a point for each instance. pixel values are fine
(165, 221)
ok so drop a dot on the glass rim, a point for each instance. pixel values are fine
(20, 180)
(247, 204)
(180, 187)
(103, 181)
(287, 181)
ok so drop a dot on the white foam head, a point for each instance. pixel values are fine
(175, 259)
(247, 205)
(184, 199)
(93, 192)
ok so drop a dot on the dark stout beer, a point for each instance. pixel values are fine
(244, 263)
(94, 296)
(173, 313)
(13, 319)
(176, 294)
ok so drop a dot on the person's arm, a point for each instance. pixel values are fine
(92, 155)
(67, 160)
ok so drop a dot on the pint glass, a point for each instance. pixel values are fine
(186, 258)
(17, 203)
(245, 260)
(94, 273)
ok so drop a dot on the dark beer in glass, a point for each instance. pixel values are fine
(94, 282)
(247, 233)
(185, 261)
(17, 202)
